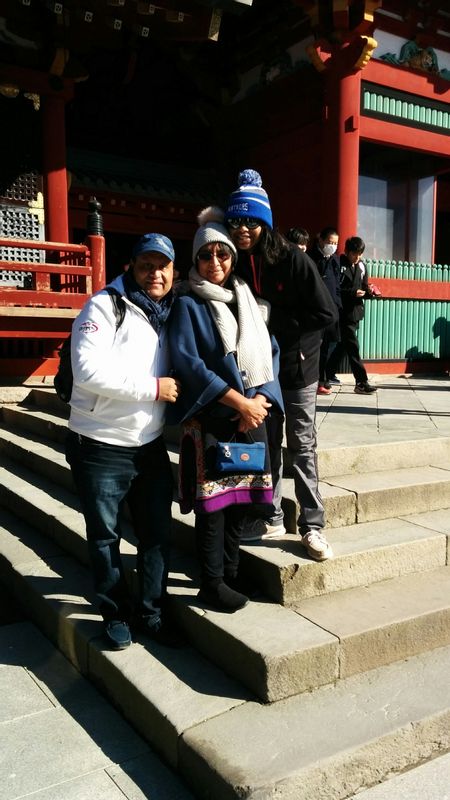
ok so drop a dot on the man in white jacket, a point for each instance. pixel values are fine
(115, 447)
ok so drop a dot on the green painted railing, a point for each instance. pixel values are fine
(411, 329)
(407, 270)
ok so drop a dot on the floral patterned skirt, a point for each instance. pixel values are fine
(201, 487)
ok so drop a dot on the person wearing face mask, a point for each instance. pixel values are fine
(227, 364)
(323, 253)
(298, 307)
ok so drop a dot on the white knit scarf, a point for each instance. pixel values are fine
(248, 336)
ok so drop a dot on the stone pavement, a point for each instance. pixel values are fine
(403, 408)
(61, 740)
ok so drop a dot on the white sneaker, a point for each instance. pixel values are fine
(273, 531)
(317, 546)
(256, 529)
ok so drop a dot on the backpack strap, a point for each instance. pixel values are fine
(118, 305)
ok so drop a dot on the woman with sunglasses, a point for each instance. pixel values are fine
(226, 362)
(298, 308)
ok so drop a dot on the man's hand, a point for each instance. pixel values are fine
(169, 389)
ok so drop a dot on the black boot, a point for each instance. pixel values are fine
(218, 595)
(240, 583)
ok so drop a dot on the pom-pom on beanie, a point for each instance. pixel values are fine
(250, 199)
(211, 230)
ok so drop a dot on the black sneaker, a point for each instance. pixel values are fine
(365, 388)
(117, 634)
(334, 380)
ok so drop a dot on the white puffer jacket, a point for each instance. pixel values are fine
(115, 373)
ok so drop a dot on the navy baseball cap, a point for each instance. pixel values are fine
(155, 242)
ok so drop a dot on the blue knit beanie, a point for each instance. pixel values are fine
(250, 199)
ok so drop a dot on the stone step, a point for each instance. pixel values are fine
(331, 742)
(48, 399)
(398, 723)
(43, 456)
(274, 656)
(31, 419)
(388, 493)
(348, 498)
(429, 781)
(27, 432)
(50, 509)
(162, 692)
(282, 666)
(375, 456)
(274, 651)
(365, 553)
(60, 739)
(386, 621)
(362, 553)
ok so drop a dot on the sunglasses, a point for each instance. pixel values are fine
(221, 255)
(245, 222)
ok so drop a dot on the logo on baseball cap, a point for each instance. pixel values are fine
(155, 242)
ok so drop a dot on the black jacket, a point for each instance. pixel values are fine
(330, 272)
(353, 277)
(301, 307)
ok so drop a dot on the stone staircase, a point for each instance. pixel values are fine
(334, 678)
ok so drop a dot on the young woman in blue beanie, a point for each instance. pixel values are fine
(298, 307)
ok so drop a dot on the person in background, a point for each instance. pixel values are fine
(115, 448)
(354, 288)
(298, 307)
(227, 365)
(323, 253)
(298, 236)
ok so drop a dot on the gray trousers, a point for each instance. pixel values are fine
(301, 435)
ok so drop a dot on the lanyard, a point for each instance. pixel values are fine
(256, 274)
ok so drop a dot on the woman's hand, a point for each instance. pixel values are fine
(252, 413)
(169, 389)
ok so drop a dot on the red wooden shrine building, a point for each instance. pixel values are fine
(342, 105)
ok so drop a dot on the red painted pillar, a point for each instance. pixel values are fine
(341, 151)
(55, 173)
(96, 246)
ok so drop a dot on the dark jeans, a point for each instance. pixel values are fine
(106, 476)
(348, 344)
(218, 535)
(325, 348)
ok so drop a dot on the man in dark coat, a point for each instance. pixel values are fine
(323, 253)
(354, 288)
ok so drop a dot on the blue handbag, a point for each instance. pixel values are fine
(240, 456)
